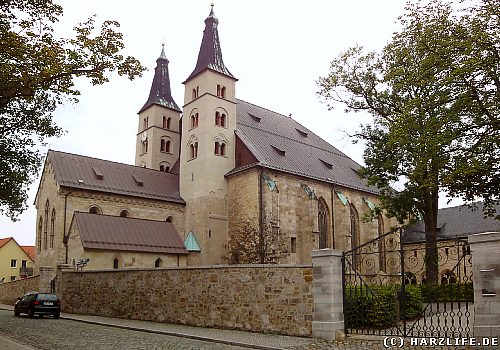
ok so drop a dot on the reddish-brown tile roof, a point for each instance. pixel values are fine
(76, 171)
(121, 233)
(30, 250)
(4, 241)
(281, 143)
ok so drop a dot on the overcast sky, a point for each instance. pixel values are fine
(277, 50)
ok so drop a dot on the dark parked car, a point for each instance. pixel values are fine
(34, 303)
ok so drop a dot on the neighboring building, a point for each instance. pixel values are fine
(15, 261)
(224, 166)
(455, 224)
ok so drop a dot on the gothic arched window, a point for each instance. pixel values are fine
(158, 262)
(52, 227)
(40, 229)
(115, 263)
(323, 223)
(354, 233)
(46, 224)
(381, 244)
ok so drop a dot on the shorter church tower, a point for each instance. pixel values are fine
(158, 135)
(208, 143)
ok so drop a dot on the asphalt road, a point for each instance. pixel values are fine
(51, 334)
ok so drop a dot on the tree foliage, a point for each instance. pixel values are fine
(37, 73)
(434, 94)
(248, 245)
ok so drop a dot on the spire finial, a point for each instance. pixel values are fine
(211, 10)
(163, 50)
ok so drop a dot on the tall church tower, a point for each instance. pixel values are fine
(158, 135)
(208, 143)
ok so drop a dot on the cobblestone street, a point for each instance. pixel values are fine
(47, 333)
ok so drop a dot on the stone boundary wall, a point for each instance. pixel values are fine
(258, 298)
(10, 291)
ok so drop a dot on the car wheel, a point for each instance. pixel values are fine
(16, 313)
(31, 313)
(57, 315)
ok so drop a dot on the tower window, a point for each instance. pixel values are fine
(167, 169)
(193, 150)
(167, 146)
(218, 90)
(223, 120)
(220, 149)
(145, 123)
(162, 145)
(162, 167)
(217, 118)
(194, 94)
(194, 120)
(166, 122)
(223, 92)
(145, 146)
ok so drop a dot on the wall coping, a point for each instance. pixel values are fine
(326, 252)
(484, 237)
(206, 267)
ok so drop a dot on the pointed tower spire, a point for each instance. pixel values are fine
(210, 55)
(160, 93)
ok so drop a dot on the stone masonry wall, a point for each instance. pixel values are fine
(10, 291)
(259, 298)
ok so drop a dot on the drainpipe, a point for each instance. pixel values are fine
(65, 241)
(333, 217)
(261, 217)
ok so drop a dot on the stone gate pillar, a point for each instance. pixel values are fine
(47, 274)
(485, 250)
(328, 313)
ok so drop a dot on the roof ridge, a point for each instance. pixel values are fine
(295, 140)
(121, 217)
(267, 109)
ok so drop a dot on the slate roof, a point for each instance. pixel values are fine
(454, 222)
(281, 143)
(160, 92)
(129, 234)
(76, 171)
(210, 54)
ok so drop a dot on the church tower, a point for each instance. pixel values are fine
(208, 143)
(158, 135)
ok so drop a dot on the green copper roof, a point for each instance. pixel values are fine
(191, 243)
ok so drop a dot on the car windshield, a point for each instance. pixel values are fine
(47, 297)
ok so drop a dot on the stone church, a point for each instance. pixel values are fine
(202, 173)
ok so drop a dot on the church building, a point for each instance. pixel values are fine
(208, 178)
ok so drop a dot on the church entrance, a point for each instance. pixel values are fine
(386, 292)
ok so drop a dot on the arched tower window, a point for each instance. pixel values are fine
(223, 149)
(218, 90)
(167, 169)
(193, 150)
(354, 232)
(323, 223)
(217, 118)
(169, 122)
(162, 167)
(223, 92)
(52, 227)
(223, 120)
(145, 123)
(158, 262)
(196, 119)
(162, 145)
(194, 94)
(115, 263)
(216, 149)
(167, 146)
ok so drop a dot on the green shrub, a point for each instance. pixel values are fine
(378, 306)
(448, 292)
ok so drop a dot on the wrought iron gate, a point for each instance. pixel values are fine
(386, 292)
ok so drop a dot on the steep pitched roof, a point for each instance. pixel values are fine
(279, 142)
(4, 241)
(121, 233)
(76, 171)
(160, 92)
(29, 250)
(455, 222)
(210, 54)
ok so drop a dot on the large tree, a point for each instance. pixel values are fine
(434, 95)
(37, 73)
